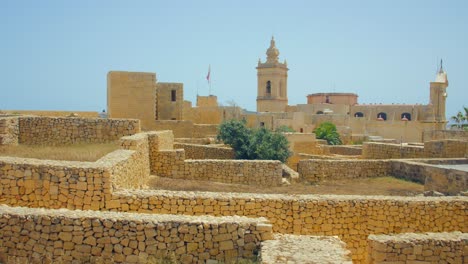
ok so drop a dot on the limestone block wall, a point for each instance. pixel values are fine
(256, 172)
(161, 140)
(63, 236)
(374, 150)
(9, 130)
(60, 130)
(53, 184)
(130, 166)
(205, 130)
(198, 141)
(411, 170)
(352, 218)
(446, 148)
(195, 151)
(345, 150)
(419, 248)
(168, 163)
(445, 180)
(317, 170)
(88, 114)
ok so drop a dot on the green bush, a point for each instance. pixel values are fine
(253, 144)
(327, 131)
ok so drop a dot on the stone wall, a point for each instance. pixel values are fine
(345, 150)
(185, 128)
(445, 180)
(9, 130)
(49, 113)
(59, 130)
(419, 248)
(317, 170)
(352, 218)
(169, 163)
(255, 172)
(63, 236)
(431, 149)
(374, 150)
(445, 134)
(195, 151)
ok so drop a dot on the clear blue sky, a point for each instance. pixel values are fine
(55, 54)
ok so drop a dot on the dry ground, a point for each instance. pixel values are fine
(368, 186)
(78, 152)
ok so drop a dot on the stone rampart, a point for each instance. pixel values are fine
(194, 151)
(60, 130)
(255, 172)
(9, 130)
(419, 248)
(316, 170)
(63, 236)
(352, 218)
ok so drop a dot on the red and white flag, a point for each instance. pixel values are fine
(209, 72)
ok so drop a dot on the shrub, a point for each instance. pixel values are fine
(259, 144)
(327, 131)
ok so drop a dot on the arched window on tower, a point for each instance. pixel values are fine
(406, 117)
(268, 88)
(358, 114)
(381, 116)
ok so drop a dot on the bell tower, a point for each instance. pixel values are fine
(272, 82)
(438, 96)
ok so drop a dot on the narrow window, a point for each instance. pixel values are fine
(406, 117)
(358, 114)
(381, 116)
(268, 88)
(173, 95)
(262, 124)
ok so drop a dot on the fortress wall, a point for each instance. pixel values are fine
(60, 130)
(352, 218)
(418, 248)
(204, 130)
(9, 130)
(195, 151)
(444, 134)
(373, 150)
(345, 150)
(63, 236)
(251, 172)
(317, 170)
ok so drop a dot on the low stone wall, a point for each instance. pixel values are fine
(445, 134)
(446, 148)
(9, 130)
(63, 236)
(204, 130)
(344, 150)
(169, 163)
(198, 141)
(193, 151)
(374, 150)
(352, 218)
(445, 180)
(256, 172)
(316, 170)
(87, 114)
(185, 128)
(419, 248)
(60, 130)
(411, 170)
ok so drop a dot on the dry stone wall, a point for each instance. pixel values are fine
(255, 172)
(194, 151)
(169, 163)
(63, 236)
(60, 130)
(352, 218)
(419, 248)
(9, 130)
(445, 134)
(374, 150)
(344, 150)
(317, 170)
(446, 148)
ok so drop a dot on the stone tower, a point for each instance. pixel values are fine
(272, 87)
(438, 96)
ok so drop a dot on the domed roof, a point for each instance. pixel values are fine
(272, 52)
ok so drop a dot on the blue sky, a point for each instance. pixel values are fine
(55, 55)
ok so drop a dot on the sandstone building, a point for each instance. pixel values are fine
(139, 95)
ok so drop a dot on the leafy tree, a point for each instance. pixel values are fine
(260, 144)
(327, 131)
(458, 119)
(235, 134)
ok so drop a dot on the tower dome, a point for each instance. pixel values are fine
(272, 52)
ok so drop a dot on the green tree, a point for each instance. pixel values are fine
(235, 134)
(260, 144)
(458, 119)
(327, 131)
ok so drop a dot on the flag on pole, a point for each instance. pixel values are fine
(208, 75)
